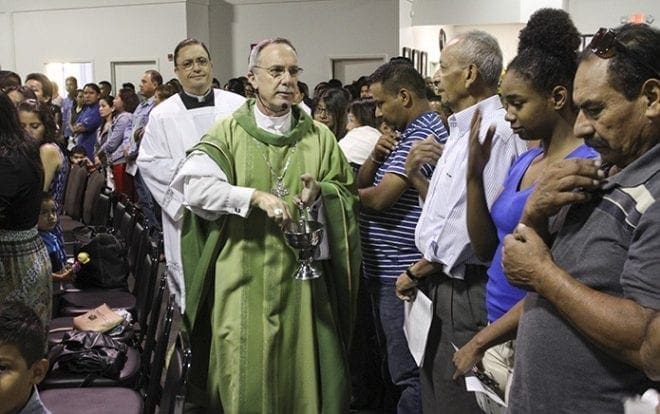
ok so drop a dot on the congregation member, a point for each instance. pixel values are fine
(38, 121)
(43, 88)
(276, 344)
(595, 288)
(174, 127)
(331, 111)
(151, 80)
(471, 65)
(69, 101)
(116, 146)
(390, 211)
(23, 359)
(106, 89)
(25, 271)
(362, 133)
(88, 120)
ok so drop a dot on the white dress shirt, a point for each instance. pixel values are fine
(441, 234)
(203, 186)
(358, 143)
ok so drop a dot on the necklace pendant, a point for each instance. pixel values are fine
(279, 190)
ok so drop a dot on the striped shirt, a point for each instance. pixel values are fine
(441, 233)
(388, 237)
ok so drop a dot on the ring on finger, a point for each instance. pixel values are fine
(278, 212)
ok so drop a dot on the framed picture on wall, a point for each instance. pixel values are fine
(415, 58)
(406, 52)
(586, 39)
(423, 63)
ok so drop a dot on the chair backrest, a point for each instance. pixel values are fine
(146, 278)
(157, 362)
(95, 184)
(117, 214)
(101, 210)
(126, 225)
(174, 389)
(75, 190)
(149, 334)
(137, 246)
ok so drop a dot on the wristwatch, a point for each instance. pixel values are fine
(415, 278)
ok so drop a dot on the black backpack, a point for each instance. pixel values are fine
(107, 266)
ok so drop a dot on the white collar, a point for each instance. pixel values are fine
(278, 125)
(200, 98)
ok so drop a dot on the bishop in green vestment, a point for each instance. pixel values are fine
(274, 344)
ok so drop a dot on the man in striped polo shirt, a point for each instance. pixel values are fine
(391, 210)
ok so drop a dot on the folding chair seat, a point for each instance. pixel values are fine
(128, 377)
(97, 400)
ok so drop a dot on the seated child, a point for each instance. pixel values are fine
(78, 155)
(22, 359)
(46, 223)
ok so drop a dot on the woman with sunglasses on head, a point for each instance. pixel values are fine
(25, 270)
(537, 94)
(37, 120)
(114, 149)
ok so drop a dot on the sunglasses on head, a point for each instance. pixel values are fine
(604, 44)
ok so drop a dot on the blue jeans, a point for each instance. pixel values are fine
(146, 202)
(388, 318)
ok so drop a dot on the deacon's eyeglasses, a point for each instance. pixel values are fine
(187, 65)
(604, 44)
(278, 71)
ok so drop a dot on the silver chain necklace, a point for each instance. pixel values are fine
(278, 189)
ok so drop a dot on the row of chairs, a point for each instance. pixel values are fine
(143, 398)
(138, 388)
(86, 199)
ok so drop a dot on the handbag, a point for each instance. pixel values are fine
(101, 319)
(88, 352)
(107, 264)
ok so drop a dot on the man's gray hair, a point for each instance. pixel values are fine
(481, 49)
(256, 50)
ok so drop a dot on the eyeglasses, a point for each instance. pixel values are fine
(604, 44)
(322, 110)
(278, 71)
(187, 65)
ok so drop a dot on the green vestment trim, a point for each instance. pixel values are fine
(277, 345)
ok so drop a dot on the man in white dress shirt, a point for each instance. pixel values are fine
(174, 127)
(470, 67)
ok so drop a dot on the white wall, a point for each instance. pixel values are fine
(221, 16)
(99, 31)
(318, 30)
(465, 12)
(589, 15)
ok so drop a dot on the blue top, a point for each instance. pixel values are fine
(388, 237)
(506, 212)
(67, 104)
(91, 119)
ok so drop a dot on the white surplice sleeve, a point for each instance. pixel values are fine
(158, 163)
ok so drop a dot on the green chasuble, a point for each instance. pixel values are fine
(276, 344)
